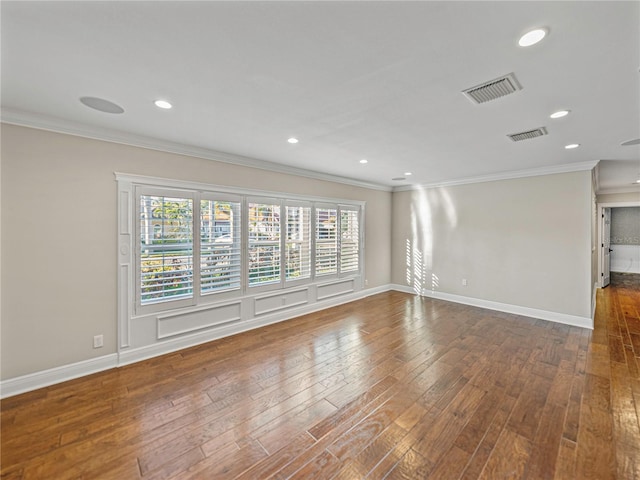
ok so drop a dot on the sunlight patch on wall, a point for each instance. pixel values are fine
(435, 282)
(419, 249)
(447, 206)
(416, 271)
(420, 245)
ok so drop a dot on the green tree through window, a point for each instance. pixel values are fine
(166, 247)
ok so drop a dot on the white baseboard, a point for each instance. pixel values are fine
(574, 320)
(593, 303)
(618, 269)
(33, 381)
(44, 378)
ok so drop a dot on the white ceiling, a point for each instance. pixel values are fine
(350, 80)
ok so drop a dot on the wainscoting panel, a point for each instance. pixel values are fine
(170, 325)
(334, 289)
(278, 301)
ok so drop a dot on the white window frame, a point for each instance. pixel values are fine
(316, 208)
(130, 187)
(298, 204)
(349, 208)
(238, 224)
(167, 303)
(273, 285)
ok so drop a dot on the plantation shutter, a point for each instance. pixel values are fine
(165, 248)
(326, 236)
(298, 242)
(264, 243)
(220, 246)
(349, 240)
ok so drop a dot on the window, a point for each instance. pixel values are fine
(220, 240)
(195, 245)
(326, 241)
(349, 241)
(298, 243)
(166, 248)
(264, 243)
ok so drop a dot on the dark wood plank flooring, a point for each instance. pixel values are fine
(393, 386)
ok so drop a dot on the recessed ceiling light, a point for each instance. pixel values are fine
(572, 145)
(363, 161)
(163, 104)
(560, 114)
(406, 174)
(292, 140)
(532, 37)
(101, 105)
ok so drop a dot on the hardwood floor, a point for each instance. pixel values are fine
(393, 386)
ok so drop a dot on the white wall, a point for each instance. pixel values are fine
(625, 258)
(59, 237)
(523, 242)
(594, 243)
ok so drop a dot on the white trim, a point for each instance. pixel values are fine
(51, 376)
(44, 378)
(131, 186)
(574, 320)
(351, 281)
(609, 191)
(275, 294)
(618, 204)
(532, 172)
(33, 381)
(209, 308)
(58, 125)
(593, 302)
(42, 122)
(211, 188)
(404, 289)
(142, 353)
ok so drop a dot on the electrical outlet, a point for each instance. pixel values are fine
(98, 341)
(366, 282)
(464, 282)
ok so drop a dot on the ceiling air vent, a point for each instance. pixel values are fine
(493, 89)
(538, 132)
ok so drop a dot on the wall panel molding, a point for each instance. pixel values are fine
(34, 381)
(26, 383)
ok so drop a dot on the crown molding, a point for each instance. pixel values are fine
(532, 172)
(596, 179)
(629, 189)
(58, 125)
(209, 187)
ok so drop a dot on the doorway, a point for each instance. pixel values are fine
(606, 245)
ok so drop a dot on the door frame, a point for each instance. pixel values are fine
(602, 206)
